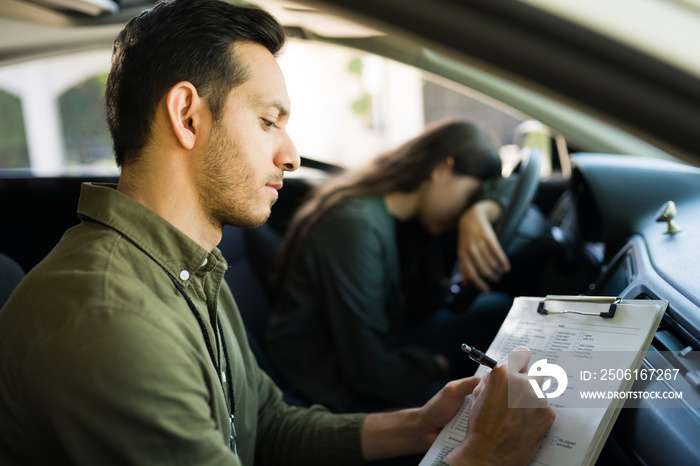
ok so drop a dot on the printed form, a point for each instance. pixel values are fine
(589, 348)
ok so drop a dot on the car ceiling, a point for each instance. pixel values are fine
(510, 40)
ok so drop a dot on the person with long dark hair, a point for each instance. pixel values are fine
(358, 319)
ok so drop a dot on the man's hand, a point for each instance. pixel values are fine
(442, 407)
(478, 250)
(412, 431)
(497, 434)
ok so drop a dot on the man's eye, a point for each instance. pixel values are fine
(268, 123)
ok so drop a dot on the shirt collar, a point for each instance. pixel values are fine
(181, 256)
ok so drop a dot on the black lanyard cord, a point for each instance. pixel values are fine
(210, 349)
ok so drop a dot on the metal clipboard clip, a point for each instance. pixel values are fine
(609, 314)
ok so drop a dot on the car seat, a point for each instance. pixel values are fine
(10, 275)
(252, 256)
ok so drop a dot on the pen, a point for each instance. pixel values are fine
(478, 356)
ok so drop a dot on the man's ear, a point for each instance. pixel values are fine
(185, 108)
(444, 168)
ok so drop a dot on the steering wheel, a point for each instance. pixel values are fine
(507, 226)
(525, 189)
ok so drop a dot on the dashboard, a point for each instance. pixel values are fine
(617, 202)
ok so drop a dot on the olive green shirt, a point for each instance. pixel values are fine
(103, 362)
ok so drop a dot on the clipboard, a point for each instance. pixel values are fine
(608, 314)
(575, 324)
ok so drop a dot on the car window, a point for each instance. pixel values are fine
(13, 139)
(58, 117)
(83, 120)
(347, 106)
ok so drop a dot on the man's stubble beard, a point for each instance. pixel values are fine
(227, 185)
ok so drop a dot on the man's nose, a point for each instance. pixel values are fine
(288, 157)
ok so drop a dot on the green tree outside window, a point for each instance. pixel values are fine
(13, 139)
(85, 130)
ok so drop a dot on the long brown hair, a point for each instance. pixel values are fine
(403, 169)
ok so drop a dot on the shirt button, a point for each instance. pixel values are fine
(205, 262)
(184, 275)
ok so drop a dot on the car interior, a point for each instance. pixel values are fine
(590, 215)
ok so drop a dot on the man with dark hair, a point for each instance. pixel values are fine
(125, 346)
